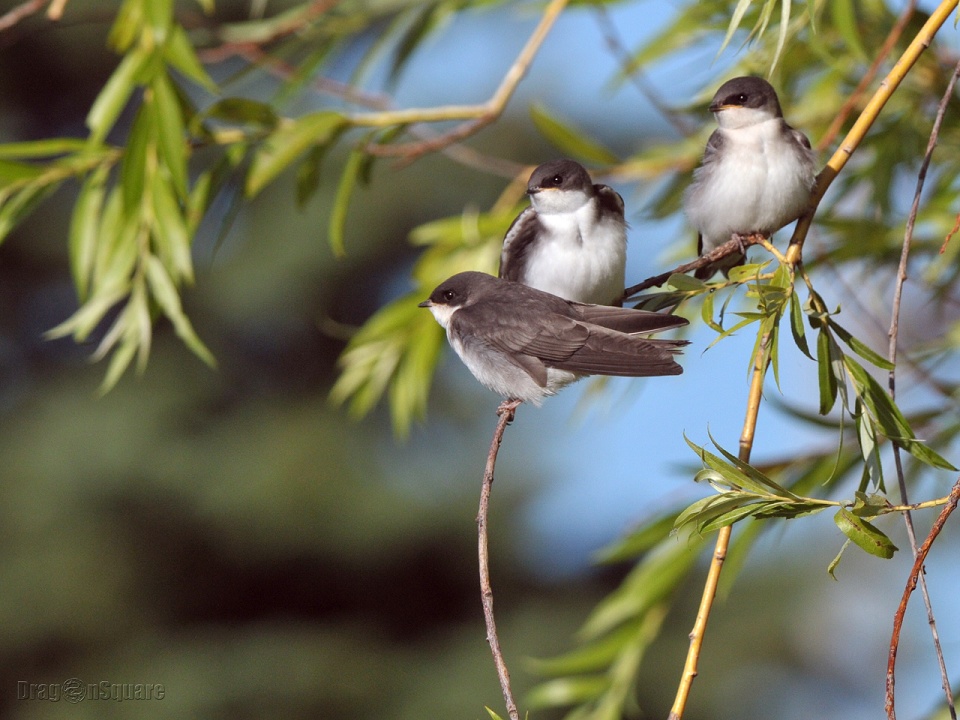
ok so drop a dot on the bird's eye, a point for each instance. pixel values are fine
(557, 179)
(449, 295)
(742, 99)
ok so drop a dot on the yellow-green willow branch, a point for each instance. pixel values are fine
(866, 119)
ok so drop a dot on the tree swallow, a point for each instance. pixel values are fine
(572, 240)
(526, 344)
(757, 171)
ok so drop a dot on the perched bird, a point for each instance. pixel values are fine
(526, 344)
(757, 171)
(572, 240)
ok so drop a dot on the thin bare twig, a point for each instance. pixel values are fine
(728, 248)
(946, 240)
(254, 54)
(21, 12)
(55, 11)
(506, 413)
(632, 72)
(477, 116)
(868, 76)
(892, 382)
(908, 590)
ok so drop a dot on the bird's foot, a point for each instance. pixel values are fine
(508, 408)
(741, 241)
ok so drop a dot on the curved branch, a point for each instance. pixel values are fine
(506, 412)
(478, 116)
(908, 590)
(892, 356)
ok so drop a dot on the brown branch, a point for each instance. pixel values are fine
(477, 116)
(506, 413)
(252, 53)
(946, 240)
(867, 78)
(633, 72)
(892, 356)
(908, 590)
(55, 11)
(718, 253)
(21, 12)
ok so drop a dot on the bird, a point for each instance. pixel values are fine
(526, 344)
(572, 239)
(757, 171)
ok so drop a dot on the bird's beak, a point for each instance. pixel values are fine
(426, 303)
(533, 189)
(716, 107)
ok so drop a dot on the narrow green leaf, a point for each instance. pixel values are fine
(797, 326)
(34, 149)
(686, 283)
(180, 54)
(127, 26)
(738, 12)
(859, 347)
(845, 21)
(657, 575)
(760, 480)
(87, 317)
(782, 34)
(133, 170)
(24, 202)
(119, 362)
(167, 297)
(891, 421)
(568, 691)
(706, 312)
(85, 230)
(159, 15)
(308, 174)
(115, 94)
(730, 517)
(427, 20)
(13, 173)
(341, 202)
(570, 140)
(171, 135)
(827, 380)
(864, 535)
(243, 111)
(170, 231)
(639, 541)
(288, 142)
(835, 563)
(869, 505)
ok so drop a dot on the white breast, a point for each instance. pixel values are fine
(579, 258)
(758, 183)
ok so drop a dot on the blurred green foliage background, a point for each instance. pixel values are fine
(233, 536)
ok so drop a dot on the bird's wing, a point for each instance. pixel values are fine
(714, 145)
(610, 353)
(609, 199)
(627, 320)
(516, 244)
(800, 137)
(495, 328)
